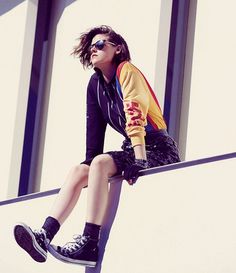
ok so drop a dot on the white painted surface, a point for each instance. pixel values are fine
(181, 221)
(17, 28)
(209, 117)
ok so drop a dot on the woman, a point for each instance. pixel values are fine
(119, 95)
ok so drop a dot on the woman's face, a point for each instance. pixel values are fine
(103, 54)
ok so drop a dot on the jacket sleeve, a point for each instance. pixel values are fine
(95, 125)
(136, 102)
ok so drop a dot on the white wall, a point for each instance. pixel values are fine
(17, 27)
(208, 110)
(139, 24)
(210, 127)
(179, 221)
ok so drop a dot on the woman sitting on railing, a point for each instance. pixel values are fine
(118, 94)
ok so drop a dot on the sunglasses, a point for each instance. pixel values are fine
(100, 44)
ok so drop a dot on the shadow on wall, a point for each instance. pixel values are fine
(59, 6)
(6, 5)
(113, 202)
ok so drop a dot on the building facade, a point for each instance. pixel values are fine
(185, 48)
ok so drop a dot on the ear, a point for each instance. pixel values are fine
(118, 49)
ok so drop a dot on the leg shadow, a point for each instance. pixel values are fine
(113, 202)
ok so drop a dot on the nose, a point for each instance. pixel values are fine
(93, 49)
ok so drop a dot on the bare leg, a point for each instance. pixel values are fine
(70, 192)
(101, 169)
(36, 243)
(85, 248)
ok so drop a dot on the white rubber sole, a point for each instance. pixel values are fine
(55, 254)
(24, 237)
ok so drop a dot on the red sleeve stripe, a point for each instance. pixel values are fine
(150, 89)
(152, 123)
(119, 68)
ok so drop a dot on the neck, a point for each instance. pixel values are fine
(108, 72)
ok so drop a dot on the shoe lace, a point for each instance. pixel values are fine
(79, 241)
(41, 236)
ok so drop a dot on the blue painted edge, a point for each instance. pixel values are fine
(186, 164)
(165, 168)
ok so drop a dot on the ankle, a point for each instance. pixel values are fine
(51, 227)
(92, 230)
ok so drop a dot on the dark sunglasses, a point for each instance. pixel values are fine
(100, 44)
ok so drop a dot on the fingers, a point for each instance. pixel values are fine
(132, 180)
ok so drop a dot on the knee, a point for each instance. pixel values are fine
(100, 161)
(80, 171)
(79, 174)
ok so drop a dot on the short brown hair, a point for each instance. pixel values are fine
(82, 49)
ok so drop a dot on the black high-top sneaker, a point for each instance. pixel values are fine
(83, 251)
(33, 242)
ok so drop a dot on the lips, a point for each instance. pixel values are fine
(94, 55)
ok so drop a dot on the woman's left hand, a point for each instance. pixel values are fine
(131, 173)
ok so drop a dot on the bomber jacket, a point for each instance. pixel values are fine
(127, 103)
